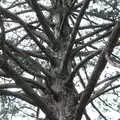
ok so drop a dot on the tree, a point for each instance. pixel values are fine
(54, 52)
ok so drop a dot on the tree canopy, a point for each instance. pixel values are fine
(60, 58)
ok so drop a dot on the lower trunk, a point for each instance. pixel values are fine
(65, 106)
(64, 109)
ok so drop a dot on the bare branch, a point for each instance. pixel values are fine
(98, 111)
(17, 95)
(43, 21)
(101, 63)
(70, 78)
(8, 14)
(73, 35)
(27, 89)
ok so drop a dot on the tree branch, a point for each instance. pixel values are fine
(17, 95)
(32, 83)
(94, 32)
(108, 79)
(98, 111)
(32, 72)
(73, 35)
(101, 63)
(70, 78)
(25, 53)
(26, 88)
(43, 21)
(76, 50)
(8, 14)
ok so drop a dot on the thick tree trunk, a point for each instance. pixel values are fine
(65, 106)
(64, 102)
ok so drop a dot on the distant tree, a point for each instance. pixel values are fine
(54, 55)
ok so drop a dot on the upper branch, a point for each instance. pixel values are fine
(76, 50)
(8, 14)
(73, 35)
(43, 21)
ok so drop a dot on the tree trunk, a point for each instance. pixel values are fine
(64, 102)
(64, 106)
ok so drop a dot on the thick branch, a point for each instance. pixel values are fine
(25, 68)
(2, 36)
(32, 83)
(98, 70)
(27, 89)
(17, 95)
